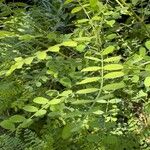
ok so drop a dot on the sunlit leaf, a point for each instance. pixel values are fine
(40, 112)
(41, 100)
(66, 93)
(41, 55)
(69, 43)
(147, 44)
(113, 67)
(111, 22)
(114, 86)
(28, 60)
(113, 59)
(113, 75)
(93, 68)
(86, 91)
(92, 58)
(55, 101)
(76, 9)
(113, 101)
(81, 47)
(108, 50)
(94, 4)
(54, 49)
(98, 112)
(147, 81)
(89, 80)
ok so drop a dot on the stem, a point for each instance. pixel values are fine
(98, 44)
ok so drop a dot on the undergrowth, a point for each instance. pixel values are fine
(75, 75)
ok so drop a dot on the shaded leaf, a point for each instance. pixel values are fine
(7, 124)
(17, 118)
(30, 108)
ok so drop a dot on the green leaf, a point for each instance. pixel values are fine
(89, 80)
(7, 124)
(113, 101)
(82, 20)
(69, 43)
(83, 39)
(41, 55)
(111, 36)
(30, 108)
(113, 67)
(114, 86)
(55, 101)
(92, 58)
(52, 93)
(113, 59)
(142, 51)
(26, 37)
(41, 100)
(113, 75)
(26, 123)
(80, 102)
(98, 112)
(66, 132)
(54, 49)
(134, 2)
(135, 79)
(108, 50)
(68, 1)
(4, 34)
(101, 101)
(17, 118)
(66, 93)
(93, 68)
(111, 22)
(147, 45)
(94, 4)
(28, 60)
(81, 47)
(76, 9)
(40, 112)
(147, 81)
(65, 82)
(86, 91)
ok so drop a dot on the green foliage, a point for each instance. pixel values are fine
(75, 73)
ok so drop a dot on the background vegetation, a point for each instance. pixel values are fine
(74, 75)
